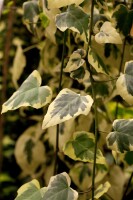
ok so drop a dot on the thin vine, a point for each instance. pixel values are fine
(59, 88)
(94, 97)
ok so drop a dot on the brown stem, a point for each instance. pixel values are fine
(8, 40)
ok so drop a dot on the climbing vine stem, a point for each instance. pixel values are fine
(94, 96)
(59, 88)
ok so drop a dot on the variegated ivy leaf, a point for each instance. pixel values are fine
(124, 83)
(27, 148)
(96, 62)
(75, 61)
(59, 188)
(67, 105)
(108, 34)
(123, 18)
(74, 18)
(31, 14)
(29, 94)
(102, 189)
(78, 74)
(121, 139)
(62, 3)
(31, 190)
(81, 148)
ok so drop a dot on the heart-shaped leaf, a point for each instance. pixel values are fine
(121, 139)
(59, 188)
(67, 105)
(108, 34)
(81, 147)
(75, 61)
(124, 83)
(74, 18)
(30, 191)
(29, 94)
(31, 14)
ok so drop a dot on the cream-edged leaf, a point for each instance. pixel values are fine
(62, 3)
(59, 188)
(30, 190)
(74, 18)
(124, 83)
(108, 34)
(67, 105)
(121, 139)
(96, 62)
(81, 148)
(75, 61)
(27, 148)
(29, 94)
(102, 189)
(19, 63)
(31, 14)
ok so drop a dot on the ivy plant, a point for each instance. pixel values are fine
(86, 61)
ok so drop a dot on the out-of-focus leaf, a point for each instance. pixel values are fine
(81, 147)
(19, 63)
(1, 6)
(123, 18)
(30, 191)
(67, 105)
(108, 34)
(96, 62)
(44, 19)
(59, 188)
(29, 94)
(75, 19)
(75, 61)
(121, 139)
(124, 83)
(31, 15)
(128, 157)
(102, 189)
(27, 149)
(62, 3)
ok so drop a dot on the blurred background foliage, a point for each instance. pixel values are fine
(20, 53)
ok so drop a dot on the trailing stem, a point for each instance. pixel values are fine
(94, 98)
(7, 46)
(59, 88)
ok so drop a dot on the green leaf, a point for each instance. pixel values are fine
(81, 148)
(30, 191)
(74, 18)
(96, 62)
(67, 105)
(102, 189)
(75, 61)
(44, 19)
(121, 139)
(31, 15)
(108, 34)
(124, 83)
(123, 18)
(29, 94)
(61, 3)
(59, 188)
